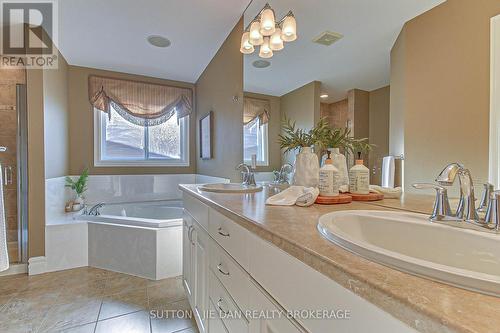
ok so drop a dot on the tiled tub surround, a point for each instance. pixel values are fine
(424, 305)
(67, 239)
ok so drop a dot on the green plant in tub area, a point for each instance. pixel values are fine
(295, 138)
(80, 185)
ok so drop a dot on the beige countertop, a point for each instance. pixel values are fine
(423, 304)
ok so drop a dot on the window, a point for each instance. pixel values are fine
(119, 142)
(255, 142)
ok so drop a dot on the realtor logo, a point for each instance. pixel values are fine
(28, 34)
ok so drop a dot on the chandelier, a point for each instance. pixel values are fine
(269, 34)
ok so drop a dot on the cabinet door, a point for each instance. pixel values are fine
(215, 324)
(187, 256)
(273, 318)
(202, 260)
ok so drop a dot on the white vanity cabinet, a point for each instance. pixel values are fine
(229, 270)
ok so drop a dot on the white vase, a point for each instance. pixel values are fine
(79, 200)
(306, 168)
(340, 162)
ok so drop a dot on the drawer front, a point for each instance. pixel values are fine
(197, 209)
(229, 235)
(215, 324)
(232, 317)
(236, 281)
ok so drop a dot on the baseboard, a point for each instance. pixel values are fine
(37, 265)
(15, 269)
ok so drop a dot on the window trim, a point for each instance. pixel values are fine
(98, 147)
(265, 162)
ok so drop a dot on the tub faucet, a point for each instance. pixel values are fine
(94, 210)
(281, 177)
(248, 175)
(466, 209)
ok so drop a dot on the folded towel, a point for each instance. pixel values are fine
(294, 195)
(388, 192)
(4, 255)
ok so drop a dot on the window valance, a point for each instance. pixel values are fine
(139, 102)
(256, 108)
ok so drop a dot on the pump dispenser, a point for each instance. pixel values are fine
(359, 178)
(328, 179)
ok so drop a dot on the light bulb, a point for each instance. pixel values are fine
(255, 35)
(276, 43)
(267, 23)
(265, 50)
(246, 47)
(289, 30)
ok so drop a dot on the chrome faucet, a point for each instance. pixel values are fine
(281, 177)
(466, 214)
(248, 174)
(94, 210)
(466, 209)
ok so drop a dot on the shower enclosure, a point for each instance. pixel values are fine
(13, 160)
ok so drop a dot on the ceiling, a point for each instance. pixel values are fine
(360, 60)
(112, 34)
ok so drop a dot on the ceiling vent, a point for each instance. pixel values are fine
(327, 38)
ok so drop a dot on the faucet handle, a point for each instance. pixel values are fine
(485, 197)
(441, 207)
(492, 217)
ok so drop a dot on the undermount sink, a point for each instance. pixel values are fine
(230, 188)
(409, 242)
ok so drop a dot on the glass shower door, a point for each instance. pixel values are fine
(13, 128)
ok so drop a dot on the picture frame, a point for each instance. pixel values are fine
(206, 134)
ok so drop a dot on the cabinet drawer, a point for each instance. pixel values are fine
(232, 317)
(229, 235)
(197, 209)
(215, 324)
(231, 275)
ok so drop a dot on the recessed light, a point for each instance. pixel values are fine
(158, 41)
(323, 96)
(261, 63)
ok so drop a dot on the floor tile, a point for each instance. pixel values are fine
(87, 328)
(137, 322)
(168, 291)
(120, 284)
(124, 303)
(64, 316)
(86, 291)
(172, 317)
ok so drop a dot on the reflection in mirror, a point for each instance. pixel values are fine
(336, 68)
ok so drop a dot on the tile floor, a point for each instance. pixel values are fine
(91, 300)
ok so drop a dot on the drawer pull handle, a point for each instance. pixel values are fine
(219, 302)
(190, 234)
(222, 233)
(219, 267)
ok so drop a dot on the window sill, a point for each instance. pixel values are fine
(140, 164)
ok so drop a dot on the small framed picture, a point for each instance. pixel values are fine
(206, 129)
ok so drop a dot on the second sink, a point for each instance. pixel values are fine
(409, 242)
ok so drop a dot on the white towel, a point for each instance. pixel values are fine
(294, 195)
(4, 255)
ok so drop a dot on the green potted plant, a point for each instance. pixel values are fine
(306, 166)
(79, 186)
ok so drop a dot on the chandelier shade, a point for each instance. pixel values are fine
(269, 34)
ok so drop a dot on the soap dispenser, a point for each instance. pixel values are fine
(328, 179)
(359, 178)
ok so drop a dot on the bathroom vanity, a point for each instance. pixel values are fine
(243, 257)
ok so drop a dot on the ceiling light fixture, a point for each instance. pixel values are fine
(158, 41)
(265, 32)
(323, 96)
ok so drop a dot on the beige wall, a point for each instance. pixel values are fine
(302, 106)
(274, 129)
(215, 91)
(379, 130)
(82, 125)
(56, 120)
(440, 87)
(397, 97)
